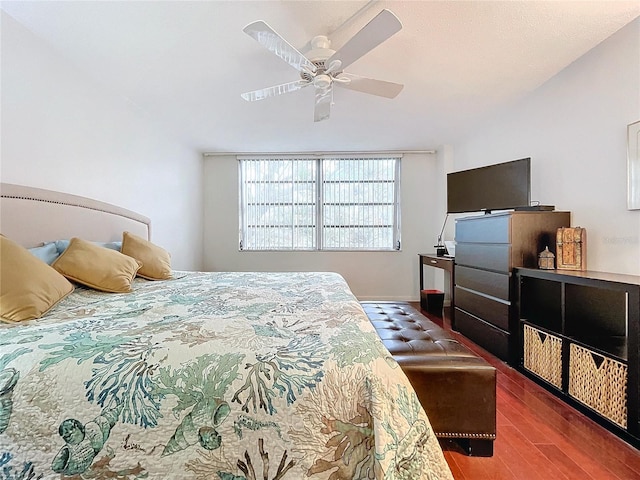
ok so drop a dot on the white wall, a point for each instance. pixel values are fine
(371, 275)
(574, 129)
(61, 130)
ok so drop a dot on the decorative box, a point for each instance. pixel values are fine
(571, 243)
(546, 259)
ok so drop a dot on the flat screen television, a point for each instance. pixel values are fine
(501, 186)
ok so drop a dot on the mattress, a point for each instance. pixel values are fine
(230, 376)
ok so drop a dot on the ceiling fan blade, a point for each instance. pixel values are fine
(272, 41)
(369, 85)
(323, 104)
(383, 26)
(275, 90)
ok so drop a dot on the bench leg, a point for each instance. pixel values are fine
(476, 447)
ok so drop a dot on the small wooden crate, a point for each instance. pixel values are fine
(571, 248)
(602, 387)
(543, 355)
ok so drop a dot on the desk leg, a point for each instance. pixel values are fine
(452, 307)
(421, 276)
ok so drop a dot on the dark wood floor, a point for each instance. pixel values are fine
(539, 437)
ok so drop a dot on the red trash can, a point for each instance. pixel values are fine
(432, 301)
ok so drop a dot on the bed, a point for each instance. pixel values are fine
(205, 375)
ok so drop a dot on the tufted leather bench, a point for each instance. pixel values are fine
(456, 388)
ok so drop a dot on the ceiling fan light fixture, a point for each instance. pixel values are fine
(322, 81)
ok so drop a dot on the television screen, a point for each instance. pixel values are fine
(495, 187)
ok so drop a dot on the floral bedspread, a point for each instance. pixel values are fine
(229, 376)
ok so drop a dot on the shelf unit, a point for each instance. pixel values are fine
(579, 337)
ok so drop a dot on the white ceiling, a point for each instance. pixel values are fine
(186, 63)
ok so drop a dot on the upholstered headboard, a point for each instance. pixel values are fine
(30, 216)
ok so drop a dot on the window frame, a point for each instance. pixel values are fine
(319, 184)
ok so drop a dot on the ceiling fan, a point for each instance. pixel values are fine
(323, 67)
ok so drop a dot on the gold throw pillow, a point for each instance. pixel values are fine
(28, 286)
(156, 261)
(97, 267)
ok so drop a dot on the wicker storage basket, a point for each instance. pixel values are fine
(603, 387)
(543, 355)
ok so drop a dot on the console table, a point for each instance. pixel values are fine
(446, 264)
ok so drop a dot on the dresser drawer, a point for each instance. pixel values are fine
(484, 229)
(491, 257)
(487, 336)
(490, 283)
(491, 311)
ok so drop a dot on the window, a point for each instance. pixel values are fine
(320, 202)
(278, 204)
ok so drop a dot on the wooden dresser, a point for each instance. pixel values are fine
(488, 248)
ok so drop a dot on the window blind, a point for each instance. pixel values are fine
(319, 202)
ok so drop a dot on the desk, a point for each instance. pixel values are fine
(447, 264)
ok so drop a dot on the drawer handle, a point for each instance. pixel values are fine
(434, 261)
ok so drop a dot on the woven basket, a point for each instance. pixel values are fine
(603, 388)
(543, 355)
